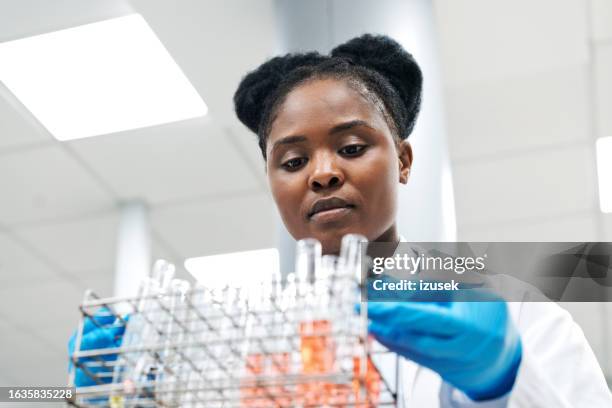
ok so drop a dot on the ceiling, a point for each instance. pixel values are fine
(59, 207)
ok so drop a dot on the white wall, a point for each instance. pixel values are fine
(528, 88)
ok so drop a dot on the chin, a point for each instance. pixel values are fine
(331, 240)
(330, 235)
(331, 247)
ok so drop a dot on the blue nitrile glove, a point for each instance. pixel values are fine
(472, 345)
(100, 331)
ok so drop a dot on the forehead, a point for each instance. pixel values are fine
(321, 104)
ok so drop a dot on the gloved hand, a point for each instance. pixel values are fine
(97, 333)
(472, 345)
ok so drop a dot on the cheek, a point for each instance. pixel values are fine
(288, 196)
(381, 174)
(379, 187)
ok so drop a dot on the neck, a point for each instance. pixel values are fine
(391, 238)
(389, 235)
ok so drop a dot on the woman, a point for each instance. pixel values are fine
(332, 131)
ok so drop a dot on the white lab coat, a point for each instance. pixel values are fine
(558, 368)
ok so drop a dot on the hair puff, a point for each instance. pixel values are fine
(255, 88)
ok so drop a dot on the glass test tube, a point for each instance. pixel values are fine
(135, 373)
(161, 318)
(366, 379)
(180, 366)
(316, 342)
(280, 357)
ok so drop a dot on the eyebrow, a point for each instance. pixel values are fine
(349, 125)
(334, 130)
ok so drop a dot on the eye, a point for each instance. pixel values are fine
(294, 164)
(352, 150)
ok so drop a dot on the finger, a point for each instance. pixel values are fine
(98, 339)
(437, 347)
(103, 317)
(103, 338)
(423, 317)
(400, 344)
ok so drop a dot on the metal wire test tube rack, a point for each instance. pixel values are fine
(269, 342)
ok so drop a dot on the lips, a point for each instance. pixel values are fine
(328, 205)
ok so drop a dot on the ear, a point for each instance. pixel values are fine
(404, 160)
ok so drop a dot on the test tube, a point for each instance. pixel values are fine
(316, 345)
(308, 259)
(291, 312)
(133, 370)
(254, 395)
(366, 377)
(196, 327)
(280, 356)
(350, 254)
(161, 317)
(179, 363)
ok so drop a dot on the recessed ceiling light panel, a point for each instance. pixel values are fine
(236, 268)
(99, 78)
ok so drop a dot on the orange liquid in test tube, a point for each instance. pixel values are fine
(280, 366)
(253, 396)
(372, 384)
(318, 355)
(261, 396)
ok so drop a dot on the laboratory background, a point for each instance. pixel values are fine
(119, 145)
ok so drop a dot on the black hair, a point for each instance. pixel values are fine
(375, 65)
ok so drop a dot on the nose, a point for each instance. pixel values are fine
(325, 173)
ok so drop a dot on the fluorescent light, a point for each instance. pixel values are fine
(234, 269)
(604, 172)
(99, 78)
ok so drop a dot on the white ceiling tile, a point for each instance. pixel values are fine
(484, 40)
(213, 56)
(41, 304)
(519, 113)
(581, 228)
(219, 226)
(46, 183)
(17, 126)
(29, 359)
(101, 282)
(163, 251)
(6, 381)
(248, 145)
(56, 337)
(32, 17)
(170, 162)
(538, 184)
(603, 88)
(601, 19)
(18, 265)
(54, 373)
(77, 246)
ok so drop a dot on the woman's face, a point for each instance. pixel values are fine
(334, 166)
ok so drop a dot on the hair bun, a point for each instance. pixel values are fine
(387, 57)
(259, 84)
